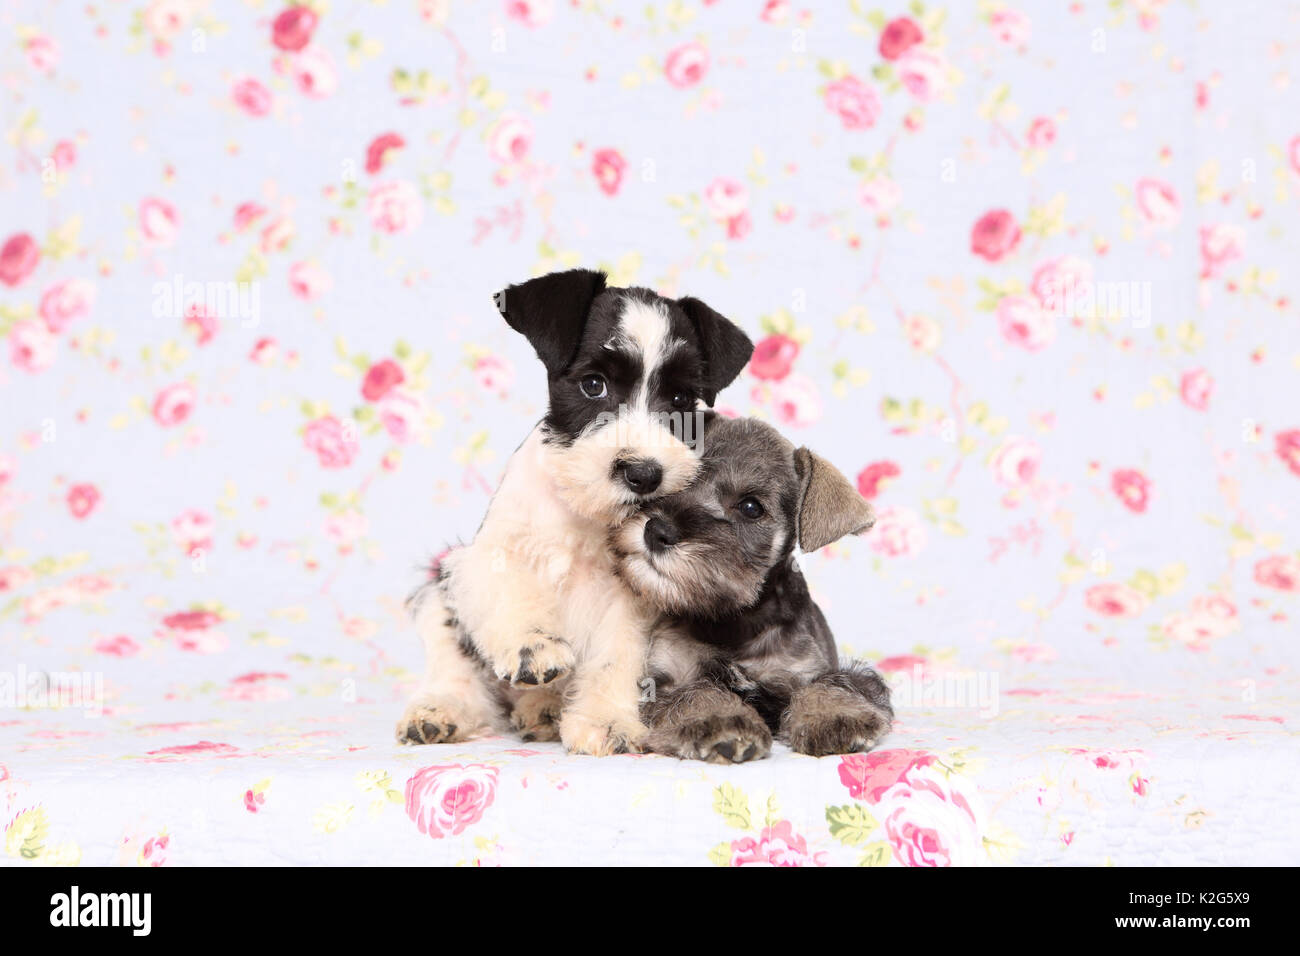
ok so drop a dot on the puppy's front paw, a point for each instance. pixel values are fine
(539, 660)
(426, 723)
(600, 737)
(536, 715)
(717, 738)
(845, 731)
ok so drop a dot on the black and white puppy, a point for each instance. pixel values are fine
(742, 651)
(534, 599)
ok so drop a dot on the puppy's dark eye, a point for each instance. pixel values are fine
(750, 508)
(683, 400)
(593, 386)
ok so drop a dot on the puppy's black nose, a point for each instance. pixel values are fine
(660, 535)
(643, 477)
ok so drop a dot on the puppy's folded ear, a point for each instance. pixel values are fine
(551, 312)
(829, 506)
(726, 348)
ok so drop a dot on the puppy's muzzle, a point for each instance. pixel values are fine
(641, 477)
(660, 535)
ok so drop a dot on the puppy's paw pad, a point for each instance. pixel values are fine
(601, 738)
(733, 738)
(844, 733)
(536, 722)
(423, 724)
(542, 660)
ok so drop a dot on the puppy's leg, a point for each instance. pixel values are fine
(602, 704)
(453, 701)
(508, 610)
(705, 721)
(535, 714)
(842, 711)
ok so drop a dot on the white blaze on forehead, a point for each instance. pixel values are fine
(644, 327)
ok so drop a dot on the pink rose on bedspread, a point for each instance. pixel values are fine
(379, 149)
(154, 851)
(995, 235)
(173, 404)
(1221, 243)
(773, 357)
(32, 347)
(66, 301)
(334, 443)
(1287, 446)
(899, 36)
(686, 65)
(1281, 571)
(510, 138)
(1195, 388)
(1113, 599)
(18, 258)
(192, 530)
(251, 96)
(608, 165)
(898, 533)
(923, 73)
(1024, 323)
(776, 846)
(159, 221)
(382, 378)
(932, 818)
(856, 103)
(876, 474)
(869, 775)
(1016, 461)
(82, 499)
(395, 207)
(1157, 202)
(444, 800)
(1010, 27)
(292, 28)
(191, 620)
(1133, 489)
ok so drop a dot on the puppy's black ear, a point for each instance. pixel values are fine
(726, 348)
(551, 312)
(829, 507)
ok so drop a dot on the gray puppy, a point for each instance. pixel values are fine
(742, 652)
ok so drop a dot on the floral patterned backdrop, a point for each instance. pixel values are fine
(1026, 273)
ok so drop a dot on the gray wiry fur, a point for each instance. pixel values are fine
(742, 651)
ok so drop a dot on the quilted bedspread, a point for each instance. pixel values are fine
(1026, 273)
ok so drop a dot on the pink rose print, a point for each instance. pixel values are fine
(1025, 323)
(923, 73)
(251, 96)
(1112, 599)
(728, 202)
(293, 28)
(1279, 571)
(395, 207)
(42, 52)
(18, 258)
(868, 776)
(246, 214)
(314, 73)
(378, 151)
(796, 401)
(335, 444)
(192, 530)
(1016, 461)
(1157, 203)
(1041, 133)
(64, 302)
(64, 155)
(874, 476)
(898, 533)
(686, 65)
(382, 378)
(154, 851)
(191, 620)
(1010, 27)
(159, 222)
(1220, 245)
(1210, 617)
(995, 236)
(531, 13)
(881, 194)
(776, 846)
(1195, 388)
(31, 346)
(308, 280)
(13, 577)
(254, 800)
(1287, 446)
(173, 404)
(607, 165)
(1133, 489)
(494, 373)
(82, 499)
(899, 36)
(445, 800)
(856, 103)
(1057, 283)
(932, 818)
(773, 357)
(511, 138)
(922, 332)
(119, 646)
